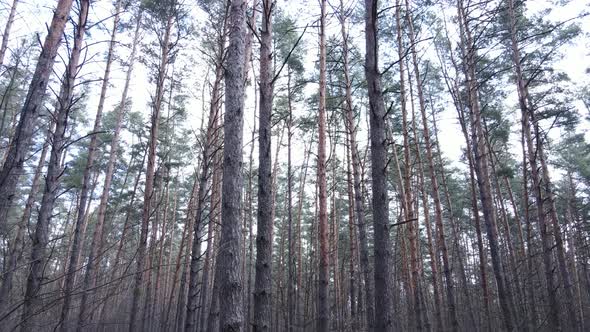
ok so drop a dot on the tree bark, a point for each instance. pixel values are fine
(263, 277)
(19, 147)
(409, 215)
(209, 150)
(7, 28)
(292, 300)
(480, 151)
(150, 173)
(229, 260)
(97, 238)
(54, 172)
(384, 317)
(86, 177)
(527, 116)
(324, 274)
(17, 244)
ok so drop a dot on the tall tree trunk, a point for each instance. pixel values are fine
(7, 28)
(291, 261)
(480, 151)
(527, 116)
(179, 256)
(229, 260)
(352, 174)
(17, 245)
(384, 317)
(206, 276)
(125, 231)
(475, 210)
(573, 319)
(98, 237)
(54, 172)
(19, 147)
(359, 209)
(86, 177)
(354, 321)
(333, 241)
(263, 278)
(324, 274)
(213, 319)
(409, 215)
(303, 177)
(9, 91)
(206, 163)
(529, 257)
(248, 208)
(150, 173)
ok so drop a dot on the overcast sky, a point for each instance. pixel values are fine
(34, 14)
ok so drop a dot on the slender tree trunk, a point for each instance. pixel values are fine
(54, 172)
(9, 91)
(529, 257)
(213, 320)
(97, 238)
(359, 210)
(333, 241)
(571, 217)
(303, 177)
(409, 215)
(384, 318)
(150, 173)
(354, 321)
(19, 147)
(206, 163)
(554, 310)
(17, 244)
(86, 178)
(480, 151)
(475, 210)
(434, 266)
(7, 28)
(263, 278)
(248, 238)
(324, 275)
(126, 228)
(573, 322)
(178, 265)
(352, 175)
(206, 276)
(291, 261)
(250, 209)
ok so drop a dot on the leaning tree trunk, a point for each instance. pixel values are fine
(7, 28)
(150, 173)
(54, 172)
(206, 163)
(17, 244)
(481, 167)
(86, 177)
(229, 260)
(97, 238)
(17, 152)
(542, 188)
(382, 243)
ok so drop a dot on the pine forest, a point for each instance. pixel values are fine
(295, 166)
